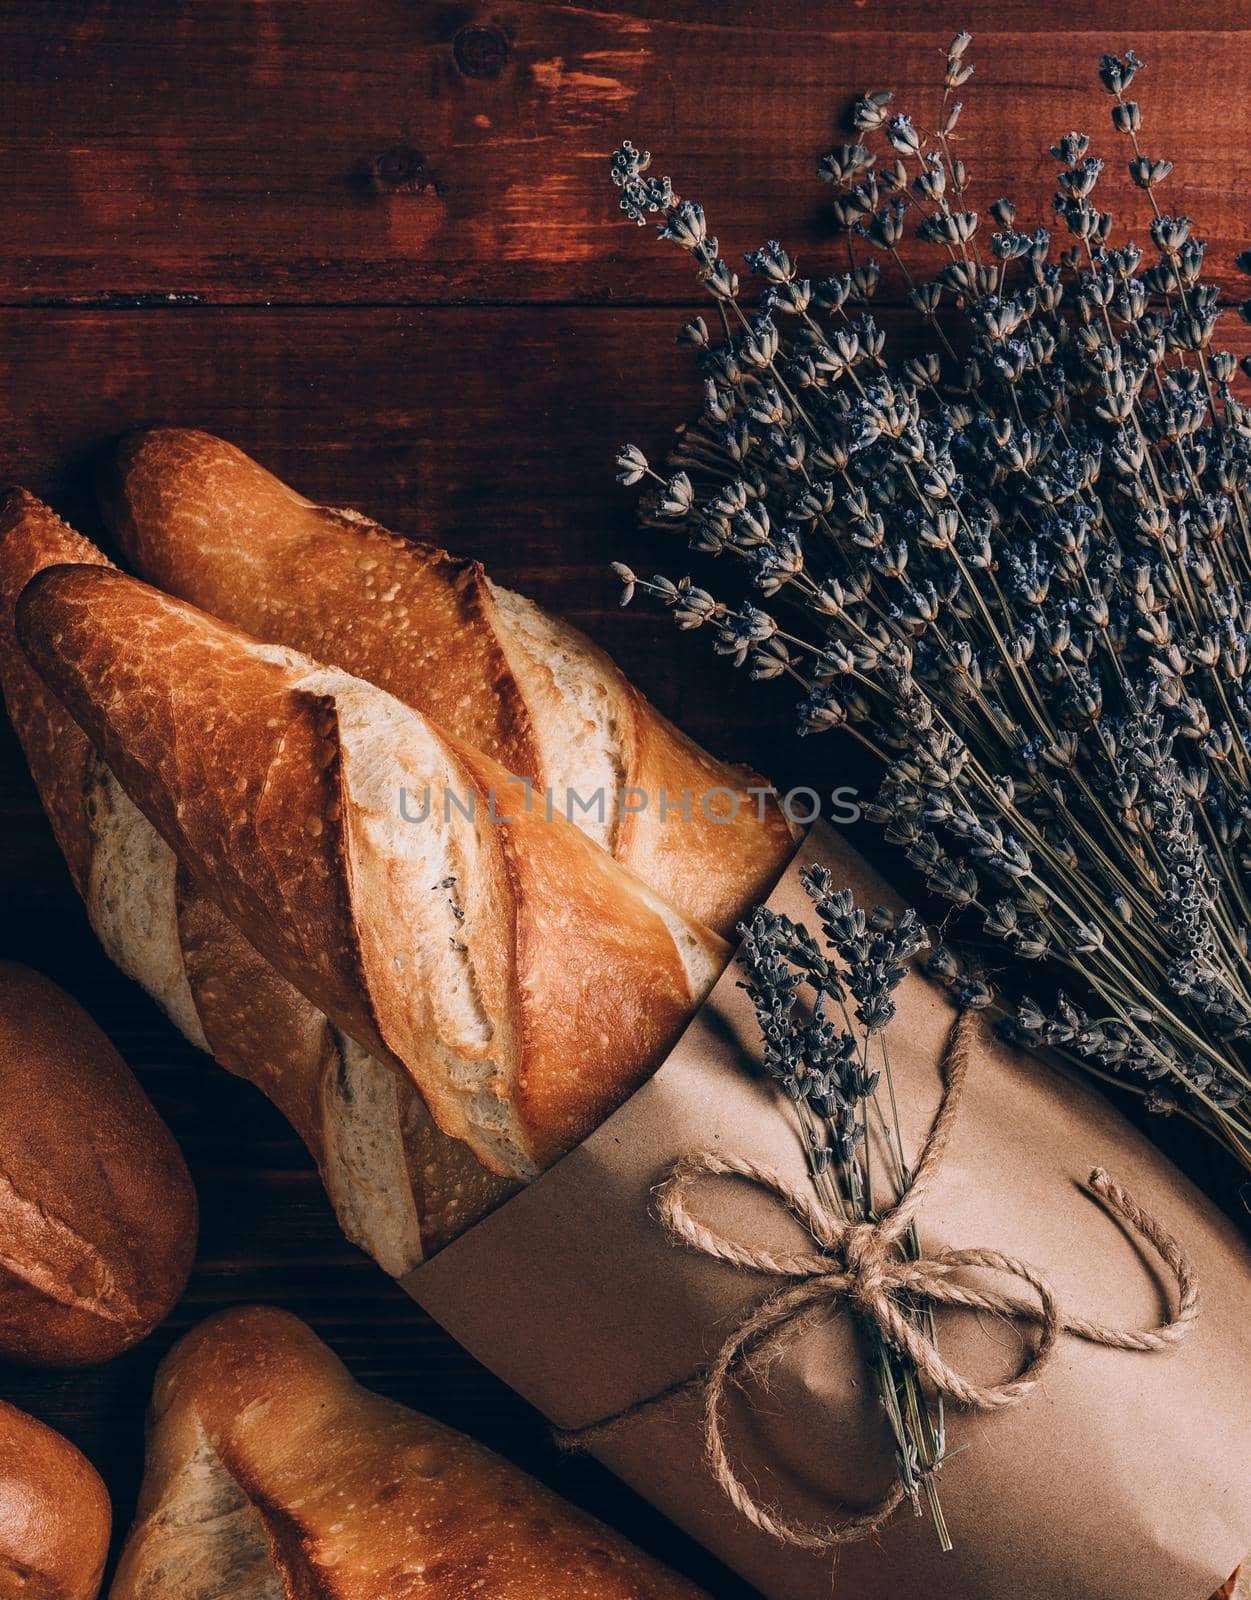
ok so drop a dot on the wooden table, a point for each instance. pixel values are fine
(374, 243)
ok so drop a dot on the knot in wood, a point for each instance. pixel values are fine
(480, 52)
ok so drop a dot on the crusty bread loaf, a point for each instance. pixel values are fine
(524, 980)
(400, 1188)
(59, 754)
(97, 1209)
(202, 520)
(54, 1514)
(120, 865)
(271, 1474)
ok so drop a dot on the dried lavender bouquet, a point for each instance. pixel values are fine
(1017, 568)
(831, 1059)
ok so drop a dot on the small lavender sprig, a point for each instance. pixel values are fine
(1015, 566)
(830, 1057)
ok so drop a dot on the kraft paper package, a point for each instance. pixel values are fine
(1122, 1474)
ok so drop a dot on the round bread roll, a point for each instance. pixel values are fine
(97, 1208)
(54, 1514)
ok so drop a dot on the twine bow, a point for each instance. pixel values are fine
(861, 1263)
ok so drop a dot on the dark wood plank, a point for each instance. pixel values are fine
(311, 152)
(489, 430)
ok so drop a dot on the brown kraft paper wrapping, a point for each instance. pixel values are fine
(1122, 1476)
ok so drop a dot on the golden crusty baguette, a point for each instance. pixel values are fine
(97, 1208)
(120, 865)
(55, 1516)
(202, 520)
(271, 1473)
(59, 754)
(524, 980)
(401, 1189)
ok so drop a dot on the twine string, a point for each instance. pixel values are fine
(860, 1263)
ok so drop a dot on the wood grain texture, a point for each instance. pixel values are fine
(489, 430)
(223, 151)
(300, 151)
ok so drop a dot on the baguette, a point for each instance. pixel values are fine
(97, 1208)
(523, 980)
(271, 1473)
(120, 865)
(55, 1516)
(399, 1187)
(200, 519)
